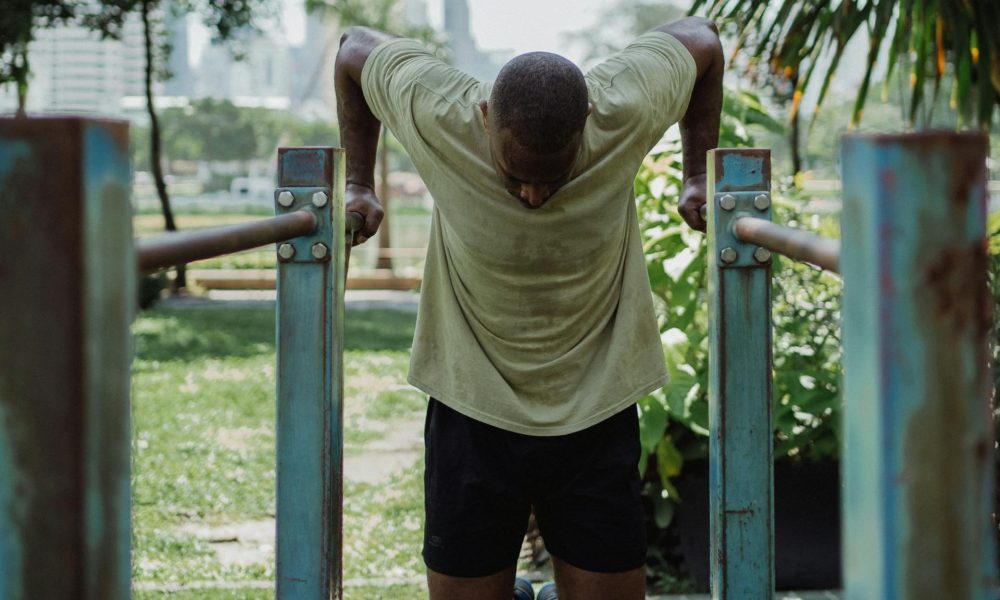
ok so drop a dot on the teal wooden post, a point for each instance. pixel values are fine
(310, 377)
(918, 444)
(67, 275)
(739, 389)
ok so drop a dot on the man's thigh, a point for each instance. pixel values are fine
(475, 511)
(577, 584)
(589, 509)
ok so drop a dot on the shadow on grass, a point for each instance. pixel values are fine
(192, 333)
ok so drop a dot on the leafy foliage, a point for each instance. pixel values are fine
(805, 317)
(929, 38)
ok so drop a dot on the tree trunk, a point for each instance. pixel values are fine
(793, 135)
(22, 71)
(384, 261)
(155, 161)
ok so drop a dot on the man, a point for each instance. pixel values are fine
(536, 333)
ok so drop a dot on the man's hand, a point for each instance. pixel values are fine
(361, 199)
(693, 197)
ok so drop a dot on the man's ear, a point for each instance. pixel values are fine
(486, 121)
(590, 108)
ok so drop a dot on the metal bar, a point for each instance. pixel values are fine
(794, 243)
(68, 278)
(918, 442)
(741, 504)
(310, 312)
(171, 249)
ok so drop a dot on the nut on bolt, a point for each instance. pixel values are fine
(762, 255)
(728, 255)
(285, 198)
(319, 199)
(320, 251)
(727, 202)
(762, 201)
(286, 251)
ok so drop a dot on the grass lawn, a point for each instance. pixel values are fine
(203, 455)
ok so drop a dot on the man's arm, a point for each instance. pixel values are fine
(359, 129)
(700, 124)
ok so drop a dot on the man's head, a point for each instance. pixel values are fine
(535, 117)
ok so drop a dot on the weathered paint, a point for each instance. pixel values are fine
(68, 274)
(310, 385)
(740, 465)
(917, 458)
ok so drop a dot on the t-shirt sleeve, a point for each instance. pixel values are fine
(396, 72)
(653, 77)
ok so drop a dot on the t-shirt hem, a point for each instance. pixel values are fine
(540, 431)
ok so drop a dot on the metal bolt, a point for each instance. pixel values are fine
(762, 255)
(762, 201)
(727, 202)
(728, 255)
(285, 198)
(319, 199)
(286, 251)
(319, 251)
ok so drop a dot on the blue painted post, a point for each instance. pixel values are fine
(67, 275)
(310, 377)
(918, 441)
(739, 393)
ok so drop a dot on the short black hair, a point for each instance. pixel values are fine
(541, 98)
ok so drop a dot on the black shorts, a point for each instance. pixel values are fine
(481, 482)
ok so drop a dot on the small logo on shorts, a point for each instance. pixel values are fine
(436, 541)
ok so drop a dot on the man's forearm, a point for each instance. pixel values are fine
(700, 124)
(359, 129)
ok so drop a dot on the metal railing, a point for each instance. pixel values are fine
(917, 444)
(917, 450)
(64, 407)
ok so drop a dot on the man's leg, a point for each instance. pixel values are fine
(589, 509)
(576, 584)
(475, 511)
(499, 586)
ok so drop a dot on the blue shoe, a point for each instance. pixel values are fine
(523, 589)
(548, 592)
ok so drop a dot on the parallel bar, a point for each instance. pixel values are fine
(177, 248)
(793, 243)
(741, 502)
(918, 442)
(68, 278)
(310, 312)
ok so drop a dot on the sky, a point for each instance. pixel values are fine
(496, 24)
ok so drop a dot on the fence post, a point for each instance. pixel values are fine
(918, 440)
(67, 275)
(739, 390)
(310, 314)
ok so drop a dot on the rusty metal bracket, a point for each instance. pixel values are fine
(302, 199)
(729, 206)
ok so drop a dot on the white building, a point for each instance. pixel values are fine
(73, 70)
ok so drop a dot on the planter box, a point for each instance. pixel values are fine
(806, 524)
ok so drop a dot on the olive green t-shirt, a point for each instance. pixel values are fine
(535, 321)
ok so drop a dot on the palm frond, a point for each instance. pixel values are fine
(957, 41)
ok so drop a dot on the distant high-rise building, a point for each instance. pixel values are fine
(312, 69)
(467, 56)
(250, 71)
(74, 70)
(181, 82)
